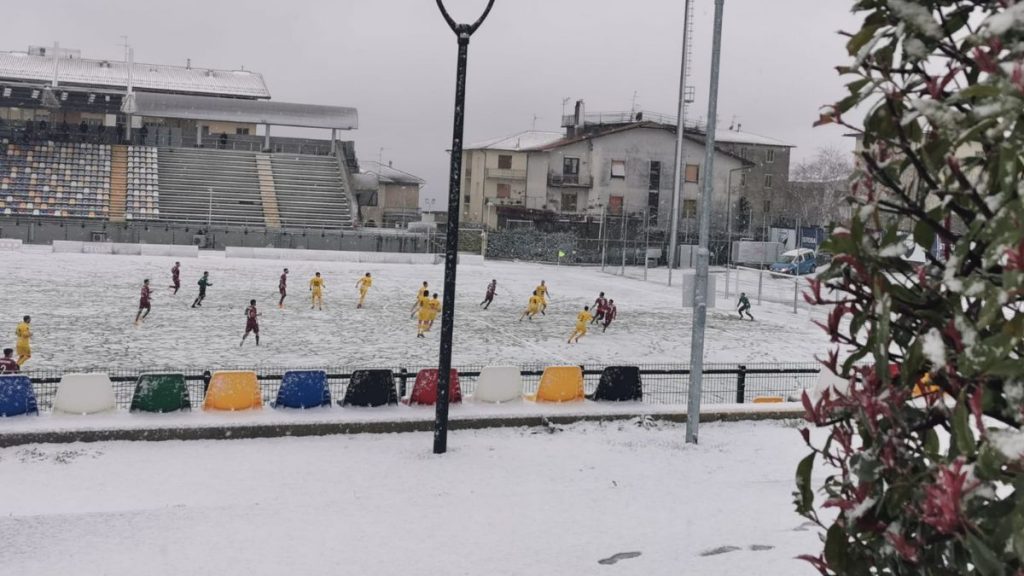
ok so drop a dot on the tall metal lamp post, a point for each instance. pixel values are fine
(451, 252)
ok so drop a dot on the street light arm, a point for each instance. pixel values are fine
(460, 29)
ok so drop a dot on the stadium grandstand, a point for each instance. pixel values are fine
(100, 141)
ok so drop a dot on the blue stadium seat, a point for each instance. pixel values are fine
(303, 389)
(17, 396)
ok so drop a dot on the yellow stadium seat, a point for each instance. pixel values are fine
(231, 390)
(768, 400)
(559, 384)
(924, 386)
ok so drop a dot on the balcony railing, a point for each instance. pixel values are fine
(569, 180)
(506, 174)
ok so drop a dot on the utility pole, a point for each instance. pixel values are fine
(451, 253)
(700, 290)
(680, 157)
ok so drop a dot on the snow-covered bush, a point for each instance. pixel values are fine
(933, 485)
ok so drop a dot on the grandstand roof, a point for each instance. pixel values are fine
(245, 111)
(22, 66)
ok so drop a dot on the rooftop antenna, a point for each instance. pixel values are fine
(632, 107)
(535, 117)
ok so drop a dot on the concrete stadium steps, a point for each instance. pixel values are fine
(267, 192)
(118, 182)
(187, 176)
(311, 191)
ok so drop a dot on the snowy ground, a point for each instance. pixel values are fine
(83, 305)
(500, 502)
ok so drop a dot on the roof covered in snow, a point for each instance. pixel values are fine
(738, 137)
(389, 175)
(245, 111)
(526, 140)
(25, 67)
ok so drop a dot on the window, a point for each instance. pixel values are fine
(465, 200)
(654, 179)
(653, 201)
(743, 178)
(615, 204)
(505, 162)
(769, 155)
(689, 208)
(767, 208)
(369, 199)
(692, 173)
(504, 190)
(242, 131)
(767, 180)
(569, 202)
(618, 168)
(570, 166)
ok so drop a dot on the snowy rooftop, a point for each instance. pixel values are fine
(738, 137)
(24, 67)
(390, 175)
(245, 111)
(526, 140)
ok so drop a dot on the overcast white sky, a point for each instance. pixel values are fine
(394, 60)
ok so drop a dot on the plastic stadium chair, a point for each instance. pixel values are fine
(370, 388)
(84, 394)
(303, 389)
(424, 390)
(619, 384)
(560, 384)
(17, 396)
(498, 384)
(161, 393)
(231, 390)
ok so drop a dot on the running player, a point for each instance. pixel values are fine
(542, 291)
(203, 283)
(434, 305)
(363, 284)
(24, 344)
(582, 319)
(316, 289)
(144, 304)
(251, 323)
(489, 296)
(609, 314)
(282, 287)
(600, 307)
(423, 319)
(743, 306)
(419, 299)
(176, 277)
(533, 307)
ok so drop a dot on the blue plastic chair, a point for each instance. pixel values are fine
(303, 389)
(17, 396)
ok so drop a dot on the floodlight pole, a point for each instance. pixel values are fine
(680, 155)
(451, 253)
(700, 290)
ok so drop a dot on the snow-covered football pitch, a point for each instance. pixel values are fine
(82, 307)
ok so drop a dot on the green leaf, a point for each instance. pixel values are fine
(931, 443)
(979, 91)
(962, 434)
(805, 493)
(861, 38)
(836, 549)
(985, 560)
(924, 234)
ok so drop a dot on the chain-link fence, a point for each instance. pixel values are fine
(766, 286)
(662, 383)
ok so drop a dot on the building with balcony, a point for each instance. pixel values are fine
(387, 197)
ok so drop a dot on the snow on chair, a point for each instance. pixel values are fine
(828, 381)
(160, 393)
(424, 390)
(498, 384)
(84, 394)
(559, 384)
(370, 388)
(619, 384)
(17, 396)
(233, 390)
(303, 389)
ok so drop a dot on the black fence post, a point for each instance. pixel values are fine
(741, 384)
(402, 375)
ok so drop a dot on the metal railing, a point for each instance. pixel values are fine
(662, 383)
(505, 174)
(561, 179)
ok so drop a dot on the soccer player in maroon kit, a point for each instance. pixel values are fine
(600, 307)
(609, 314)
(176, 276)
(144, 303)
(251, 323)
(8, 365)
(489, 297)
(282, 287)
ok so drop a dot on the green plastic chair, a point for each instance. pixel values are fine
(161, 393)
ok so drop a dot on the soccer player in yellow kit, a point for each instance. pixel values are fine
(434, 305)
(422, 295)
(542, 291)
(24, 346)
(582, 321)
(533, 307)
(425, 317)
(363, 284)
(316, 287)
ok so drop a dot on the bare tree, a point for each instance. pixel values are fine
(819, 186)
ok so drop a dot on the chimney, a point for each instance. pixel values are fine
(188, 64)
(579, 119)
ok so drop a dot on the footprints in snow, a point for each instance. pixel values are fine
(727, 549)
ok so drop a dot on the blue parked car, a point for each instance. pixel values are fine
(796, 262)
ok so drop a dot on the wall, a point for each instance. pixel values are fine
(754, 190)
